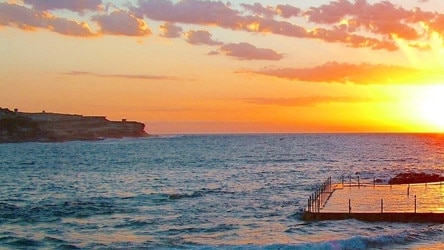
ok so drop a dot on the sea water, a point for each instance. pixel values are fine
(203, 191)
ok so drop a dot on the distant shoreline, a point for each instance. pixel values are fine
(18, 126)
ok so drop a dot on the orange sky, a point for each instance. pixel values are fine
(196, 66)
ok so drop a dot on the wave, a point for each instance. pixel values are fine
(403, 239)
(184, 196)
(20, 242)
(51, 211)
(159, 197)
(360, 242)
(27, 243)
(202, 230)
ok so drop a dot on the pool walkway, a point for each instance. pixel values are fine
(370, 202)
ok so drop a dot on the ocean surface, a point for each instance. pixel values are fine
(203, 191)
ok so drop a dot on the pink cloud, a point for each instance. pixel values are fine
(351, 73)
(28, 19)
(188, 11)
(122, 23)
(329, 13)
(356, 24)
(213, 52)
(213, 13)
(383, 18)
(200, 37)
(69, 27)
(308, 101)
(287, 10)
(258, 9)
(263, 25)
(246, 51)
(437, 24)
(339, 35)
(222, 15)
(125, 76)
(73, 5)
(170, 30)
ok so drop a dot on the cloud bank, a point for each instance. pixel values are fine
(170, 30)
(352, 23)
(125, 76)
(246, 51)
(122, 23)
(356, 24)
(308, 101)
(200, 37)
(364, 73)
(73, 5)
(29, 19)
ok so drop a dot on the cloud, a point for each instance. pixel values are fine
(70, 28)
(258, 9)
(213, 13)
(287, 10)
(308, 101)
(122, 23)
(73, 5)
(28, 19)
(377, 25)
(263, 25)
(216, 13)
(339, 35)
(213, 52)
(352, 73)
(200, 37)
(170, 30)
(187, 11)
(382, 18)
(246, 51)
(437, 24)
(134, 77)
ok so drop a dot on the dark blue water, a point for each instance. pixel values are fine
(202, 192)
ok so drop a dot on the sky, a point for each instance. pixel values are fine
(239, 66)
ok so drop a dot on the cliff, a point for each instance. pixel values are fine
(51, 127)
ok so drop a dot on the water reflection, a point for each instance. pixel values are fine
(425, 198)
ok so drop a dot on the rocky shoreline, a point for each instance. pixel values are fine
(411, 178)
(53, 127)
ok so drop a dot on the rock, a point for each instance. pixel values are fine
(408, 178)
(52, 127)
(379, 181)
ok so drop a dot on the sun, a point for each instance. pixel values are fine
(431, 106)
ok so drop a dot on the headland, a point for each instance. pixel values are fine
(18, 126)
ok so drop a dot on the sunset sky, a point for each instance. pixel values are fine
(238, 66)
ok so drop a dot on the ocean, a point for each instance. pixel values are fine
(203, 191)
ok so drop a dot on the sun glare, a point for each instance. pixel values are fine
(431, 106)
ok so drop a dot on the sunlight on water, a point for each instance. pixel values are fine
(395, 198)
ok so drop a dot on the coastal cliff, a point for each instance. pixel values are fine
(52, 127)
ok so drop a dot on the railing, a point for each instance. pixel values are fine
(353, 182)
(319, 198)
(402, 198)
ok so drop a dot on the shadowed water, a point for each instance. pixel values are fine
(230, 191)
